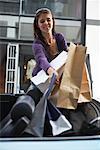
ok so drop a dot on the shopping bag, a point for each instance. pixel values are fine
(58, 122)
(85, 90)
(66, 95)
(36, 126)
(41, 80)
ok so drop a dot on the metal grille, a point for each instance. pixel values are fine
(12, 69)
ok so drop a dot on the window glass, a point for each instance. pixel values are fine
(25, 55)
(9, 6)
(9, 26)
(60, 8)
(3, 28)
(71, 30)
(71, 33)
(26, 31)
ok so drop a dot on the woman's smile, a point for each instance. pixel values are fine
(45, 22)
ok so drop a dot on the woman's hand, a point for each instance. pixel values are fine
(50, 72)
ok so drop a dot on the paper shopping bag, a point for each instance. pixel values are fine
(85, 90)
(69, 89)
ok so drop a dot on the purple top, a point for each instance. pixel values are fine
(42, 55)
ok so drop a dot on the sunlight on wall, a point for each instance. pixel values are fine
(93, 9)
(93, 44)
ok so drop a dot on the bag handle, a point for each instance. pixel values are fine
(50, 87)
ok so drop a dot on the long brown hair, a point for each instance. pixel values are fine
(37, 31)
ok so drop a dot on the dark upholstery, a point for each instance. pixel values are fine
(14, 124)
(23, 107)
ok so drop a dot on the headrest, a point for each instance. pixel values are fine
(23, 107)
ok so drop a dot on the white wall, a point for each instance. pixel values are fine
(93, 43)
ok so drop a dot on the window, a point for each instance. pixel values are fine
(9, 6)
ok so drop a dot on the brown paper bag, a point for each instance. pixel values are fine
(85, 90)
(69, 89)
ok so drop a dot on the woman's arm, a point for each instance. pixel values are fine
(51, 71)
(42, 61)
(61, 42)
(38, 51)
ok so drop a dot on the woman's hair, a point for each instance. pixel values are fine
(37, 31)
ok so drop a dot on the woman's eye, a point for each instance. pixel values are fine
(42, 21)
(48, 20)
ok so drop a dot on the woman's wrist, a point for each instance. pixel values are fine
(50, 70)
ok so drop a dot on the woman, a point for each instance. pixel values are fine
(47, 45)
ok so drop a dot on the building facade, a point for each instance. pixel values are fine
(16, 35)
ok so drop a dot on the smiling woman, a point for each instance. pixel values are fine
(47, 43)
(46, 47)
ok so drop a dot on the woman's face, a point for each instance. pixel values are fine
(45, 22)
